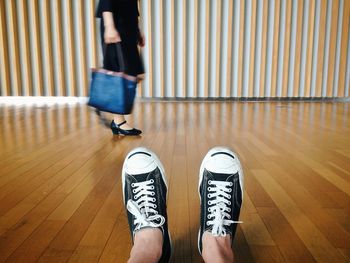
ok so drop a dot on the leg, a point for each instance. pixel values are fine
(221, 195)
(120, 119)
(144, 192)
(147, 246)
(217, 249)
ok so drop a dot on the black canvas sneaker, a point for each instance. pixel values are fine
(145, 195)
(221, 193)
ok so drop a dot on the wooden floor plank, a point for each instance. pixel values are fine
(178, 208)
(253, 227)
(290, 245)
(317, 244)
(266, 254)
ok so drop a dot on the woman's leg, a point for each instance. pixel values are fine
(120, 119)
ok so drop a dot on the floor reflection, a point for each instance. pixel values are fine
(29, 126)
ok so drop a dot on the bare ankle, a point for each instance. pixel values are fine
(148, 243)
(119, 119)
(217, 249)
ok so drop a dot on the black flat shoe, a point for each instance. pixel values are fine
(117, 130)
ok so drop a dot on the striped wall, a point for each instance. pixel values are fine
(195, 48)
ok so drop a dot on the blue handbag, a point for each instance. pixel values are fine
(112, 91)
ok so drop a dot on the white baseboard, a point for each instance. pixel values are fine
(37, 100)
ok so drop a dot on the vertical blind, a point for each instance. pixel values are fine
(194, 49)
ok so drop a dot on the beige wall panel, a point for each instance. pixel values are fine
(344, 48)
(13, 46)
(286, 48)
(218, 47)
(47, 49)
(70, 49)
(321, 45)
(241, 48)
(207, 41)
(59, 50)
(311, 27)
(92, 40)
(263, 50)
(252, 48)
(184, 49)
(275, 48)
(83, 74)
(196, 47)
(27, 79)
(298, 49)
(173, 47)
(229, 49)
(37, 54)
(150, 47)
(332, 47)
(161, 42)
(4, 59)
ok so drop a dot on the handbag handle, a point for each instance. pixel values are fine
(119, 55)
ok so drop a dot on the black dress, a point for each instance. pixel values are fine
(125, 15)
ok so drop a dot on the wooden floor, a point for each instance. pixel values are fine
(60, 184)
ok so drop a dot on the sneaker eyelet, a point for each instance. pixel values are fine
(209, 195)
(134, 191)
(153, 194)
(230, 190)
(152, 187)
(152, 181)
(229, 196)
(229, 217)
(153, 199)
(229, 202)
(209, 182)
(209, 202)
(209, 188)
(208, 216)
(135, 197)
(207, 223)
(229, 209)
(155, 206)
(231, 184)
(132, 185)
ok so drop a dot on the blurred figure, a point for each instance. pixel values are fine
(119, 23)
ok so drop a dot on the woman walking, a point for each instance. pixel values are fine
(119, 23)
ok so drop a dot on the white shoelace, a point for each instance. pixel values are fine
(143, 208)
(219, 207)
